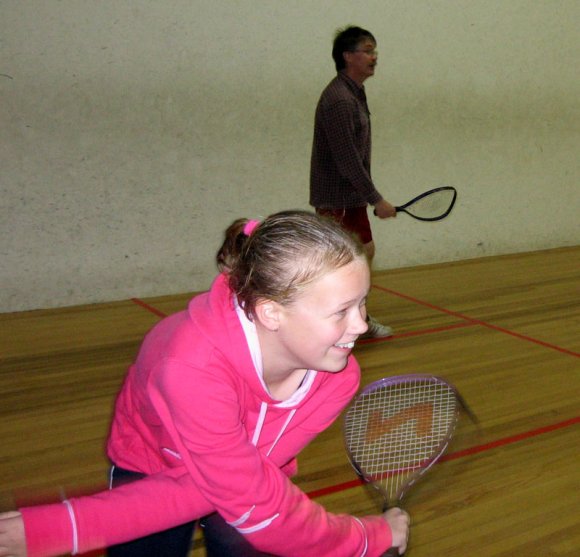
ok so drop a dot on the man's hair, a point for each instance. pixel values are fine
(347, 40)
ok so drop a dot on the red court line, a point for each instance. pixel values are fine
(365, 341)
(148, 307)
(511, 439)
(530, 339)
(423, 303)
(417, 333)
(467, 323)
(479, 322)
(460, 454)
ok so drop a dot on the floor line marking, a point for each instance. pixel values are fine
(460, 454)
(145, 305)
(480, 322)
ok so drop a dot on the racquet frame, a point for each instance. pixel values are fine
(404, 208)
(397, 416)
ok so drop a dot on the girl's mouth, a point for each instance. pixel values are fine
(345, 345)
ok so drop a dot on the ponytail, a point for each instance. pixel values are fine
(232, 246)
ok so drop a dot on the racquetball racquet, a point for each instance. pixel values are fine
(397, 428)
(431, 205)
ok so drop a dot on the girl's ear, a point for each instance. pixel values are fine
(267, 313)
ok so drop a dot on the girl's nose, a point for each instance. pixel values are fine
(360, 325)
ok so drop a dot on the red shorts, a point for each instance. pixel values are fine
(354, 220)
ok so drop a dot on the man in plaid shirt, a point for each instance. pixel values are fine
(340, 172)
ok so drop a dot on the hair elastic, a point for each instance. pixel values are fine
(250, 226)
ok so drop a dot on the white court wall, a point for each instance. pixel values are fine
(133, 132)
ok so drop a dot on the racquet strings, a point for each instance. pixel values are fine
(394, 432)
(432, 206)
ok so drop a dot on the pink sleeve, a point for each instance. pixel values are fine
(133, 510)
(290, 469)
(48, 530)
(308, 530)
(155, 503)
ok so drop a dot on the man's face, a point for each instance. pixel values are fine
(361, 63)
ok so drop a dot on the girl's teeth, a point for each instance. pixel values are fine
(346, 345)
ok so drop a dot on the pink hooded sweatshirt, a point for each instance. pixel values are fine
(196, 417)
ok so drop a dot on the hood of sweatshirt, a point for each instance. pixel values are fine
(223, 325)
(221, 322)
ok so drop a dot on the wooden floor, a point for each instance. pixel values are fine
(505, 330)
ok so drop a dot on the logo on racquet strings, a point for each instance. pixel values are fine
(378, 426)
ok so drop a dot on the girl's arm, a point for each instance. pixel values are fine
(162, 501)
(134, 510)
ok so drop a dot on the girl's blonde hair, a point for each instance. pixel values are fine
(284, 253)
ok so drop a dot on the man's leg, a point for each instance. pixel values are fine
(376, 329)
(369, 248)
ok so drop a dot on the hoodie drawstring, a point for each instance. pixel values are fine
(288, 419)
(260, 425)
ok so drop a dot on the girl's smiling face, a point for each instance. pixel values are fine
(318, 330)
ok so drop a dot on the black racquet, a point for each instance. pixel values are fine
(397, 428)
(431, 205)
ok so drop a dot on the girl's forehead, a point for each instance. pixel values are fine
(350, 279)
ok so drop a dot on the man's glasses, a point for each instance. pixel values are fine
(372, 52)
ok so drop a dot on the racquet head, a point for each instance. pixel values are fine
(397, 428)
(431, 205)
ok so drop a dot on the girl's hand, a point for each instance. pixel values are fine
(399, 522)
(12, 539)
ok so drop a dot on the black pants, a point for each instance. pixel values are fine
(221, 540)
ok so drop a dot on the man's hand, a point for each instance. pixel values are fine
(399, 522)
(12, 539)
(384, 210)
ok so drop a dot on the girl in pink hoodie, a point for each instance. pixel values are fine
(220, 400)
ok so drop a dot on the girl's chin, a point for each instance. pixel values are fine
(336, 363)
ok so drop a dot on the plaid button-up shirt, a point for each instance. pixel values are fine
(340, 168)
